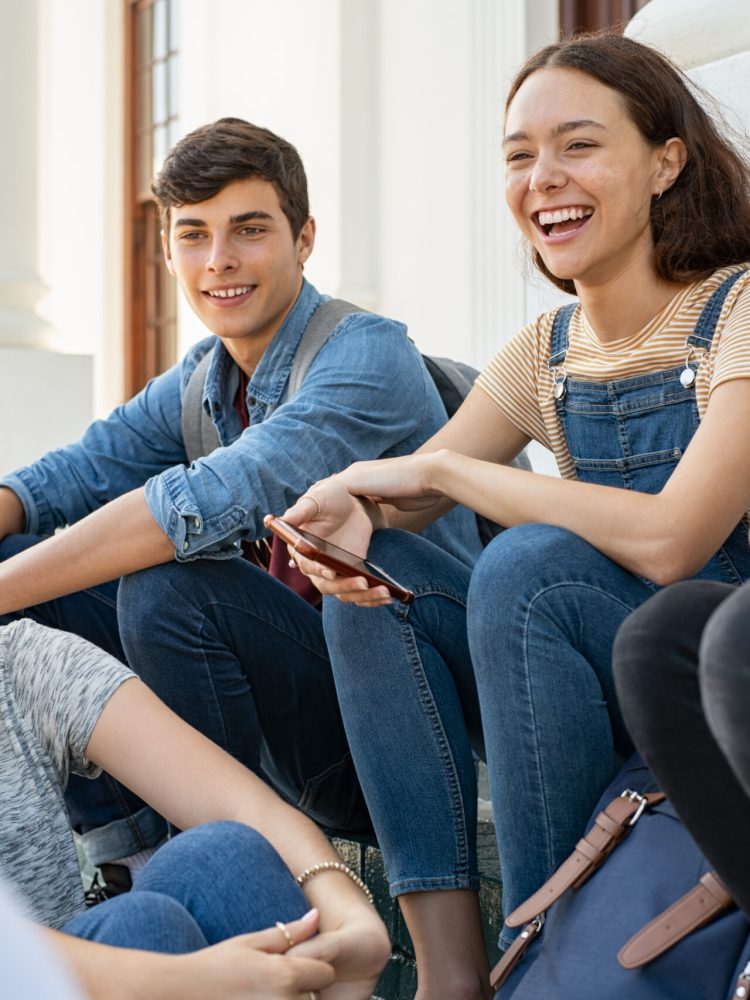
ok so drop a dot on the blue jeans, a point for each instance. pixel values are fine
(544, 607)
(237, 655)
(537, 617)
(411, 713)
(204, 886)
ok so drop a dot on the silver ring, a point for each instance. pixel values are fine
(318, 508)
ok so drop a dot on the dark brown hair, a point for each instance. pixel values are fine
(702, 221)
(230, 149)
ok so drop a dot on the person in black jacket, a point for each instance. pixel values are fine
(682, 670)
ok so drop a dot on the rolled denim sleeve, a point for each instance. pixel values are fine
(138, 440)
(366, 395)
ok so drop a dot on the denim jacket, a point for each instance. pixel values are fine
(366, 395)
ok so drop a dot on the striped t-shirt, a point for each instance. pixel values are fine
(53, 687)
(519, 381)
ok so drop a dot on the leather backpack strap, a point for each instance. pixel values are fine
(610, 827)
(515, 953)
(705, 901)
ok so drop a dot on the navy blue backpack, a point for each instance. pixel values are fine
(652, 923)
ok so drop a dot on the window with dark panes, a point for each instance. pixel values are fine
(577, 16)
(151, 123)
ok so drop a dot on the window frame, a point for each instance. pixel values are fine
(150, 294)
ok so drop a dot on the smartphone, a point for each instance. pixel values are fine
(330, 555)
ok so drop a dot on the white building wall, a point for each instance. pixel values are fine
(278, 65)
(45, 396)
(81, 174)
(396, 108)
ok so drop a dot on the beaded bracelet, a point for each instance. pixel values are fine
(337, 866)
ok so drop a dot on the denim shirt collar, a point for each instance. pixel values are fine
(270, 377)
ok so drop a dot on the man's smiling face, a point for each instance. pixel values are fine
(238, 264)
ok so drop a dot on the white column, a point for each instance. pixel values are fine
(714, 50)
(45, 396)
(360, 130)
(20, 285)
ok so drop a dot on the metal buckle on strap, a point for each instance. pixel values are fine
(534, 927)
(642, 801)
(515, 952)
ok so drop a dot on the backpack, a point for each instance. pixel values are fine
(635, 913)
(453, 380)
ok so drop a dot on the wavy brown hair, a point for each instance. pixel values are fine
(231, 149)
(702, 222)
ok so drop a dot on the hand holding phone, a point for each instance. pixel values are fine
(335, 558)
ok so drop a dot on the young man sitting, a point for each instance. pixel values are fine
(231, 647)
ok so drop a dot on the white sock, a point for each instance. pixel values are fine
(135, 863)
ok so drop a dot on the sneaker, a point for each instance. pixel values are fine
(109, 881)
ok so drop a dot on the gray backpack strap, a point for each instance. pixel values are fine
(199, 435)
(198, 432)
(322, 323)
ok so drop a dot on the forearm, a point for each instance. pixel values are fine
(197, 782)
(636, 530)
(118, 539)
(664, 536)
(414, 520)
(108, 973)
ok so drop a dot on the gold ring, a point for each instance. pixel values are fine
(289, 939)
(318, 508)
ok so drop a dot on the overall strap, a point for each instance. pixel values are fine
(199, 435)
(322, 323)
(705, 328)
(559, 336)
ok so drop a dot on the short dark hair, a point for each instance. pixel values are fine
(230, 149)
(703, 221)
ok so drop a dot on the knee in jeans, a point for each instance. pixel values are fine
(516, 558)
(147, 599)
(210, 849)
(140, 590)
(147, 920)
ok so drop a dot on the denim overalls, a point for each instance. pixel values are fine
(632, 432)
(533, 648)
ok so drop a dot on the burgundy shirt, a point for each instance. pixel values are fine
(271, 554)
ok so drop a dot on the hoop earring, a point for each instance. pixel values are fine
(659, 195)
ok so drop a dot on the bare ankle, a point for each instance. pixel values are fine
(461, 986)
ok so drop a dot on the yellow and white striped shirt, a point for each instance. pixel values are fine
(519, 383)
